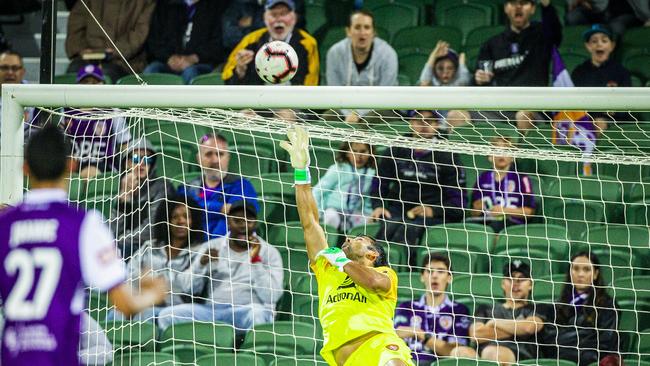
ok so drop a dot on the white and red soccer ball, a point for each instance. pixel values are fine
(276, 62)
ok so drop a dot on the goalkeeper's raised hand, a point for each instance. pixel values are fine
(298, 149)
(335, 256)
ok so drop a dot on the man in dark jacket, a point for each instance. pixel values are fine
(280, 20)
(185, 38)
(415, 188)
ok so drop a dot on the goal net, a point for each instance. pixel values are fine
(551, 185)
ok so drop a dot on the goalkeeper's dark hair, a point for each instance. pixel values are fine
(47, 153)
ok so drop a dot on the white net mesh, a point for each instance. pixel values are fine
(573, 182)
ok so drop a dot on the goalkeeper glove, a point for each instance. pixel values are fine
(298, 149)
(335, 256)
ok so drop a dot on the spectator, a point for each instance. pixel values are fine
(177, 234)
(343, 192)
(217, 189)
(433, 325)
(280, 20)
(415, 188)
(585, 315)
(445, 68)
(240, 18)
(241, 273)
(126, 22)
(508, 332)
(503, 196)
(600, 69)
(141, 193)
(185, 38)
(586, 11)
(361, 59)
(96, 140)
(624, 14)
(12, 71)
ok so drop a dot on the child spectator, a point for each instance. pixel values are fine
(343, 193)
(600, 69)
(585, 315)
(503, 196)
(433, 325)
(445, 68)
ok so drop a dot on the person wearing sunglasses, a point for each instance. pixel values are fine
(141, 192)
(12, 71)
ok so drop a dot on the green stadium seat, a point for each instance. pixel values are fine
(396, 16)
(102, 184)
(187, 353)
(483, 133)
(466, 17)
(103, 203)
(628, 137)
(641, 345)
(463, 362)
(547, 289)
(572, 60)
(575, 214)
(141, 335)
(219, 336)
(130, 358)
(551, 238)
(314, 16)
(277, 195)
(636, 37)
(238, 359)
(404, 80)
(98, 305)
(369, 228)
(637, 192)
(474, 166)
(424, 38)
(461, 260)
(299, 338)
(630, 323)
(291, 234)
(409, 286)
(480, 287)
(572, 36)
(618, 236)
(638, 213)
(172, 161)
(152, 79)
(634, 290)
(251, 161)
(479, 35)
(548, 362)
(598, 189)
(208, 79)
(411, 64)
(475, 238)
(638, 66)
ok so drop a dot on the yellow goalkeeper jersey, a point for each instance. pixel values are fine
(348, 311)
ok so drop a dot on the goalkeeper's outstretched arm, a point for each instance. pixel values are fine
(298, 149)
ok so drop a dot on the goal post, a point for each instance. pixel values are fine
(596, 199)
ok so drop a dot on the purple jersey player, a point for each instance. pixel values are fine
(433, 325)
(50, 250)
(503, 196)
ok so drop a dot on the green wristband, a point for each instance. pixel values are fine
(301, 176)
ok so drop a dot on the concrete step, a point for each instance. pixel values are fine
(33, 71)
(60, 43)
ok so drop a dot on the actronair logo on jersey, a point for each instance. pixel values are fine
(352, 296)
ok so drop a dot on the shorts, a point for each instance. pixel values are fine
(380, 349)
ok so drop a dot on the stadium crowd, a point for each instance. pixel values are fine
(203, 236)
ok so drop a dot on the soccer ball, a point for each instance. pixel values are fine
(276, 62)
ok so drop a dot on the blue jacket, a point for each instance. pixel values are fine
(233, 188)
(345, 189)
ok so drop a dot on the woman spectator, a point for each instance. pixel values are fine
(177, 229)
(343, 192)
(585, 315)
(445, 67)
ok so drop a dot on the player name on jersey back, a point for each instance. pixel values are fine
(33, 231)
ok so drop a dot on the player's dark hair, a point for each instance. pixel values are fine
(436, 257)
(365, 12)
(598, 297)
(47, 153)
(382, 258)
(162, 219)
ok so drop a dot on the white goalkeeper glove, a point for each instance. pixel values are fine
(298, 149)
(335, 256)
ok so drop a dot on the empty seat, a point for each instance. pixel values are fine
(424, 38)
(131, 358)
(140, 335)
(216, 335)
(466, 17)
(396, 16)
(151, 79)
(411, 64)
(238, 359)
(550, 238)
(300, 338)
(208, 79)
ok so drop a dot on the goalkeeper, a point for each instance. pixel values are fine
(357, 291)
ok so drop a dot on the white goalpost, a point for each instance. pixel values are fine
(593, 199)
